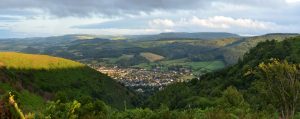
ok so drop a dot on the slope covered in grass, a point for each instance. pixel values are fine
(151, 56)
(27, 61)
(54, 78)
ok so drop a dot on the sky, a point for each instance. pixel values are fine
(41, 18)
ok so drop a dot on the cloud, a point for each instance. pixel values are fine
(45, 26)
(265, 3)
(64, 8)
(90, 7)
(228, 22)
(9, 18)
(58, 17)
(292, 1)
(223, 24)
(161, 23)
(41, 26)
(115, 24)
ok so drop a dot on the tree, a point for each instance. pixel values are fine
(232, 97)
(9, 107)
(283, 85)
(59, 110)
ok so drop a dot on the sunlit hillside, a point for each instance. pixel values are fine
(38, 78)
(28, 61)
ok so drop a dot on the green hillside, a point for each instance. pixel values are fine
(12, 60)
(195, 35)
(242, 86)
(236, 50)
(37, 78)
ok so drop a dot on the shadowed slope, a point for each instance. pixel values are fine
(56, 78)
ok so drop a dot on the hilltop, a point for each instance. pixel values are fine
(38, 78)
(13, 60)
(186, 35)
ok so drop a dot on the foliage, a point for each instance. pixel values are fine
(58, 110)
(9, 107)
(283, 84)
(235, 90)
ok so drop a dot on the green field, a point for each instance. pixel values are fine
(151, 56)
(197, 67)
(114, 60)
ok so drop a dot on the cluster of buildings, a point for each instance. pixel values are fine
(140, 79)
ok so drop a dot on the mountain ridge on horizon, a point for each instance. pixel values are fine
(164, 34)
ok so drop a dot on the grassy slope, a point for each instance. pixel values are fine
(26, 61)
(151, 56)
(29, 101)
(196, 66)
(36, 76)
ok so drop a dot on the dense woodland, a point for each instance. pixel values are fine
(263, 84)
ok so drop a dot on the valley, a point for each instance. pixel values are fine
(141, 81)
(146, 63)
(149, 59)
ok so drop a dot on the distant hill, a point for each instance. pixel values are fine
(196, 35)
(232, 52)
(226, 48)
(37, 78)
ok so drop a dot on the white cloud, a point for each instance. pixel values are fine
(221, 24)
(228, 22)
(41, 25)
(161, 23)
(292, 1)
(57, 17)
(47, 26)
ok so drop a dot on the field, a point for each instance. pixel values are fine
(151, 56)
(197, 67)
(116, 59)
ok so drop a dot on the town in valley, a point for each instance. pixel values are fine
(144, 80)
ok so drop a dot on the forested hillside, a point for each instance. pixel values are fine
(35, 79)
(243, 84)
